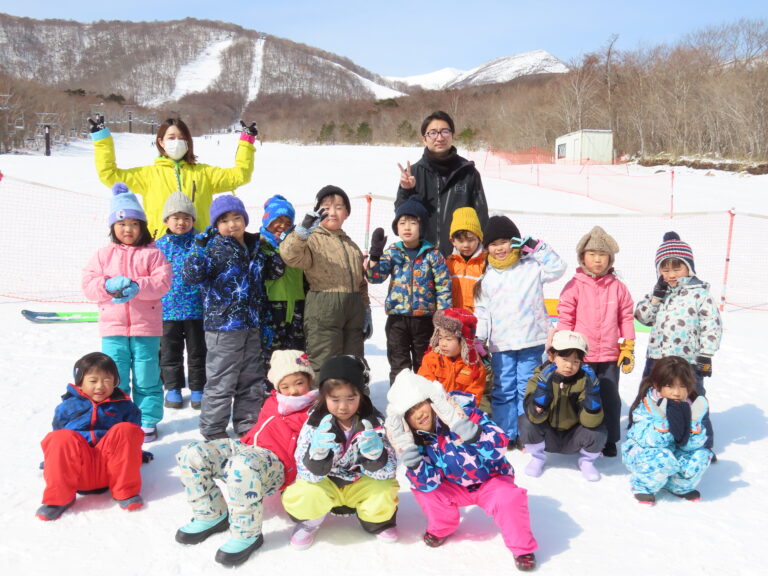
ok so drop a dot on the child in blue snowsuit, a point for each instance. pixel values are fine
(665, 446)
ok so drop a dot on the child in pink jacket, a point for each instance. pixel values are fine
(127, 278)
(598, 305)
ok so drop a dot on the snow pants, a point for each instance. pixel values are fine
(655, 468)
(608, 374)
(375, 501)
(250, 474)
(236, 384)
(138, 356)
(178, 334)
(569, 441)
(511, 371)
(407, 341)
(333, 325)
(71, 464)
(499, 497)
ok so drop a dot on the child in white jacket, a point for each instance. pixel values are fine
(511, 315)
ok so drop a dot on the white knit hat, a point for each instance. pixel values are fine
(285, 362)
(407, 390)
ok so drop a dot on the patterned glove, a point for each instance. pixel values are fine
(206, 236)
(116, 284)
(250, 129)
(378, 241)
(592, 402)
(370, 445)
(530, 247)
(704, 366)
(310, 223)
(626, 356)
(96, 125)
(323, 440)
(543, 395)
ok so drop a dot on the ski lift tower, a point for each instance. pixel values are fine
(46, 121)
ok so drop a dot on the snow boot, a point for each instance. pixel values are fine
(535, 467)
(196, 399)
(587, 465)
(609, 450)
(647, 499)
(198, 530)
(304, 534)
(132, 503)
(433, 541)
(525, 562)
(389, 535)
(150, 433)
(235, 551)
(692, 496)
(48, 512)
(173, 399)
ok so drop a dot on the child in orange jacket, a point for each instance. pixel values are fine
(467, 262)
(452, 359)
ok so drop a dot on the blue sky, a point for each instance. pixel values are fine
(402, 38)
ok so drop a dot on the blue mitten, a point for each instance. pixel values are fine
(116, 284)
(592, 401)
(127, 294)
(543, 395)
(323, 440)
(206, 236)
(370, 443)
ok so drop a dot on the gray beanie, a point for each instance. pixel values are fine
(179, 202)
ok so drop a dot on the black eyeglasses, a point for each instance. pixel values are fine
(433, 134)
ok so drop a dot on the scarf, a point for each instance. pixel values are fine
(290, 404)
(508, 262)
(446, 164)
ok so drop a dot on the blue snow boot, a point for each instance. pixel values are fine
(196, 399)
(198, 530)
(173, 398)
(237, 550)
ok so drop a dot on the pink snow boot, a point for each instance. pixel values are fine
(536, 466)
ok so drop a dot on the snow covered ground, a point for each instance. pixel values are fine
(582, 528)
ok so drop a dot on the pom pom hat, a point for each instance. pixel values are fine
(124, 204)
(286, 362)
(673, 247)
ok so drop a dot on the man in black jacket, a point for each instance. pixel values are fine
(443, 181)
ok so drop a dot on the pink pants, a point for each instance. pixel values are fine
(499, 497)
(71, 464)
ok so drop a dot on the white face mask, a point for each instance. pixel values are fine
(175, 149)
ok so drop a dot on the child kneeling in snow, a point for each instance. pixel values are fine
(96, 441)
(455, 456)
(257, 465)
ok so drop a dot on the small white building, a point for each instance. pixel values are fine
(585, 147)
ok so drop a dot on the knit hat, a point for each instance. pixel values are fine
(286, 362)
(124, 204)
(412, 207)
(178, 202)
(348, 367)
(275, 207)
(599, 240)
(466, 219)
(406, 391)
(499, 228)
(673, 247)
(568, 340)
(332, 190)
(228, 203)
(462, 324)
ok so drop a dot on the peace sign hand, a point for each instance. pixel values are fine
(407, 180)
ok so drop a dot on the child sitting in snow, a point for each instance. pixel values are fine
(343, 459)
(666, 441)
(256, 466)
(96, 441)
(563, 408)
(456, 456)
(452, 359)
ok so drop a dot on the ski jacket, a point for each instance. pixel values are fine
(510, 310)
(464, 275)
(157, 182)
(446, 458)
(282, 283)
(685, 323)
(417, 287)
(91, 419)
(344, 464)
(278, 433)
(566, 409)
(145, 265)
(442, 195)
(331, 261)
(454, 374)
(600, 309)
(230, 276)
(182, 301)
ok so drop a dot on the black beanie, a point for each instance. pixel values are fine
(332, 190)
(348, 367)
(499, 228)
(412, 207)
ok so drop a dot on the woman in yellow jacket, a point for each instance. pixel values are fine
(175, 169)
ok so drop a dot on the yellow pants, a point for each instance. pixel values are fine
(374, 500)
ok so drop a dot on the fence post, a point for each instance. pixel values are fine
(732, 213)
(672, 195)
(368, 203)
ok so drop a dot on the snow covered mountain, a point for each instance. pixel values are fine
(496, 71)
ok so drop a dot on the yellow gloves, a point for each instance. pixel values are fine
(627, 356)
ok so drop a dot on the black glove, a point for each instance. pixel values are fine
(203, 238)
(704, 366)
(378, 241)
(660, 289)
(97, 124)
(592, 401)
(250, 129)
